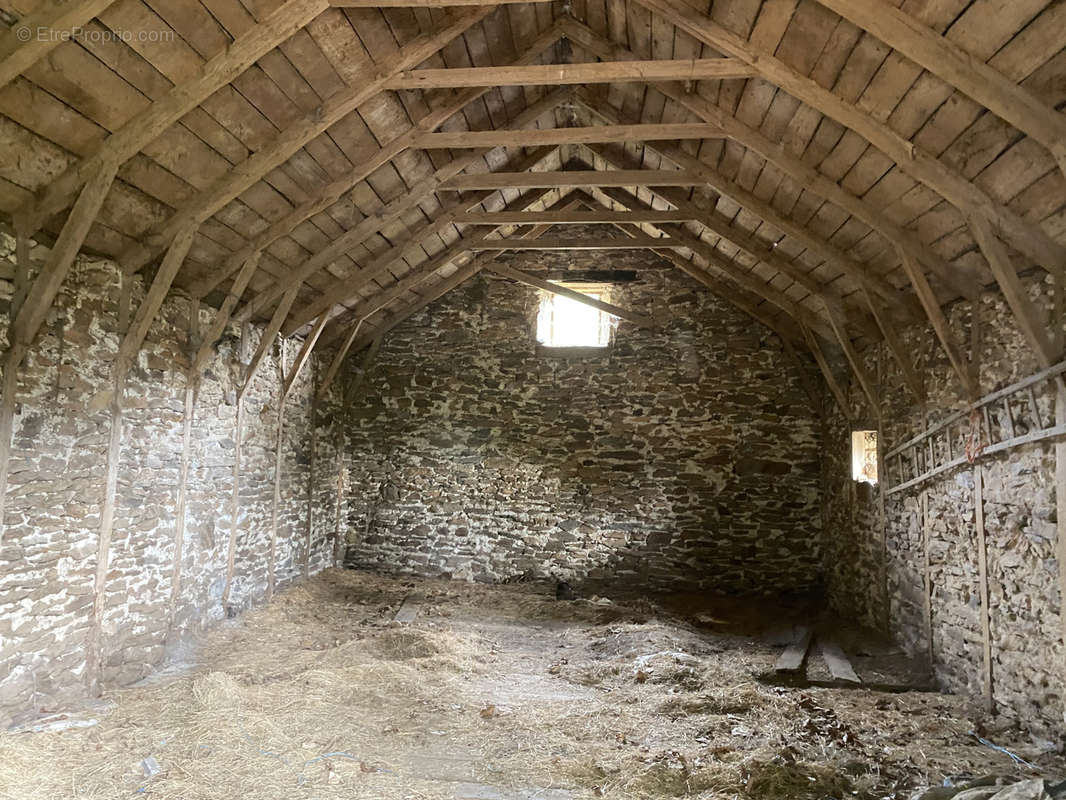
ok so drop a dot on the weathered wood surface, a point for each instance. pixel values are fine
(795, 655)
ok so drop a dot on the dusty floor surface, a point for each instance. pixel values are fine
(502, 693)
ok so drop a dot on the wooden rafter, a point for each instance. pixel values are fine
(594, 217)
(289, 141)
(940, 324)
(561, 243)
(650, 132)
(827, 373)
(1025, 313)
(27, 42)
(331, 192)
(146, 126)
(838, 319)
(700, 69)
(963, 71)
(911, 378)
(775, 153)
(1028, 238)
(267, 339)
(222, 317)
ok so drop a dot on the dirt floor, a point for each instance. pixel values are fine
(504, 693)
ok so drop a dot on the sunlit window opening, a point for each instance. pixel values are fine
(864, 456)
(563, 322)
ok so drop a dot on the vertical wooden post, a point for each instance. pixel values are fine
(927, 580)
(15, 354)
(278, 458)
(982, 572)
(235, 498)
(1060, 508)
(311, 473)
(192, 381)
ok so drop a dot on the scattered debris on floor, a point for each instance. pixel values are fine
(503, 692)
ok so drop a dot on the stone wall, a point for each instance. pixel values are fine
(48, 554)
(1029, 676)
(684, 457)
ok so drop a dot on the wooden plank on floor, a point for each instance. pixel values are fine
(408, 610)
(837, 661)
(796, 653)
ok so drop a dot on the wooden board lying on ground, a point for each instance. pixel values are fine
(408, 610)
(795, 654)
(839, 665)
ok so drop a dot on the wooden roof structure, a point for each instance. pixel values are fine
(835, 168)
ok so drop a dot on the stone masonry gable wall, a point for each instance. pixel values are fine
(680, 457)
(48, 554)
(878, 573)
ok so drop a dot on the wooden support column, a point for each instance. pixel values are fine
(235, 498)
(302, 358)
(982, 576)
(311, 474)
(927, 580)
(192, 386)
(127, 353)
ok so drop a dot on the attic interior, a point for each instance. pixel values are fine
(476, 399)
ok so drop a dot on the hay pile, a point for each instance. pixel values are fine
(320, 695)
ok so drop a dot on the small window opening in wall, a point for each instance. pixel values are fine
(864, 456)
(563, 322)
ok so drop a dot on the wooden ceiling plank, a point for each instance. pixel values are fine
(940, 324)
(26, 43)
(222, 317)
(425, 3)
(703, 69)
(559, 136)
(539, 283)
(1028, 238)
(146, 126)
(795, 167)
(963, 71)
(1025, 313)
(289, 141)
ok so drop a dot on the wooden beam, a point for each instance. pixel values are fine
(375, 158)
(222, 318)
(34, 36)
(288, 142)
(50, 278)
(558, 136)
(1060, 524)
(595, 217)
(1028, 238)
(532, 280)
(149, 307)
(911, 379)
(838, 319)
(1025, 313)
(940, 324)
(304, 354)
(959, 69)
(275, 503)
(636, 242)
(235, 491)
(827, 373)
(339, 356)
(267, 339)
(775, 153)
(350, 286)
(574, 178)
(146, 126)
(698, 69)
(310, 529)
